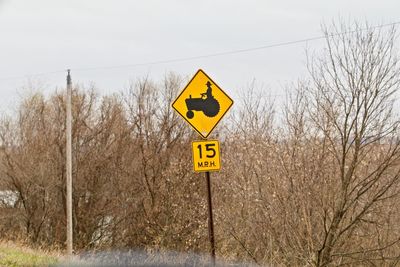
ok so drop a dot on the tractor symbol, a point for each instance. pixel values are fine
(206, 103)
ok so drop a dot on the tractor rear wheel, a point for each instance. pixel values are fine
(211, 108)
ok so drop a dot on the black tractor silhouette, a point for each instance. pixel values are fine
(206, 103)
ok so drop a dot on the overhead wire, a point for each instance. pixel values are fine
(32, 75)
(224, 53)
(232, 52)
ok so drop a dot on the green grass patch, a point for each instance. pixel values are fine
(11, 256)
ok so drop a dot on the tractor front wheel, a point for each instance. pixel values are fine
(189, 114)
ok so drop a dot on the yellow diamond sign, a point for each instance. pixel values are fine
(202, 103)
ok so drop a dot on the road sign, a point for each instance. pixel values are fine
(202, 103)
(206, 155)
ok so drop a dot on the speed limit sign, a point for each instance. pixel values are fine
(206, 155)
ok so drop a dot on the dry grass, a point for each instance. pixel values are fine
(17, 255)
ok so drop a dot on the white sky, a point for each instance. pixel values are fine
(43, 36)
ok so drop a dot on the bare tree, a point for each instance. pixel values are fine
(352, 108)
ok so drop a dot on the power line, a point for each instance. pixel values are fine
(224, 53)
(32, 75)
(232, 52)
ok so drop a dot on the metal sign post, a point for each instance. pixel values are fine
(210, 219)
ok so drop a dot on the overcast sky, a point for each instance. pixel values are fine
(42, 36)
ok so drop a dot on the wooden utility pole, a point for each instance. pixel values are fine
(69, 165)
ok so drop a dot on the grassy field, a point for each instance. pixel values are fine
(13, 255)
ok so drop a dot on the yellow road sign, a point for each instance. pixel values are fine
(202, 103)
(206, 155)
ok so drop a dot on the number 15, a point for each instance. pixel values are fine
(210, 150)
